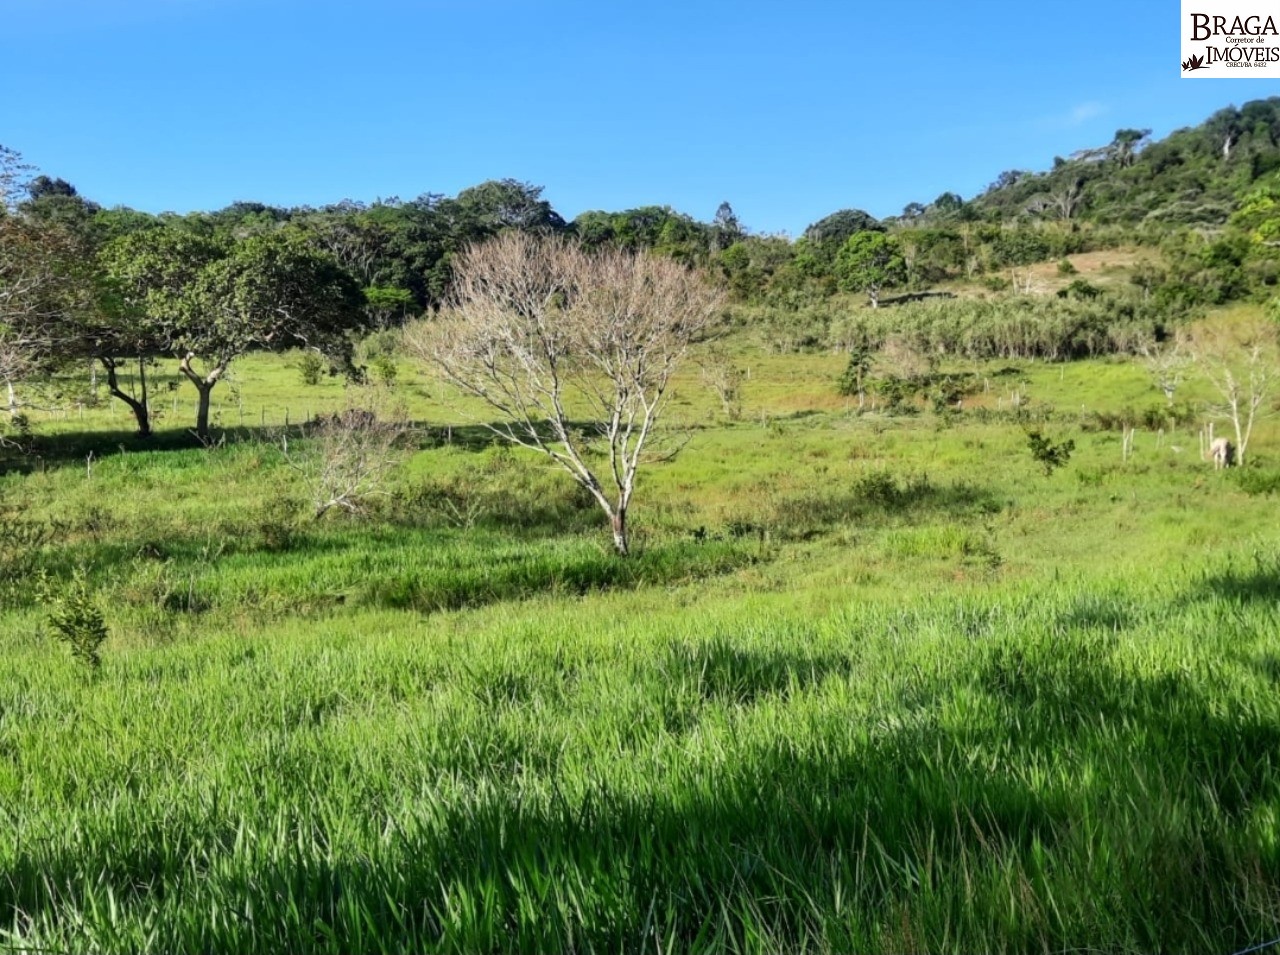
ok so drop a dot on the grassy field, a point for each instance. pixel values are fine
(871, 684)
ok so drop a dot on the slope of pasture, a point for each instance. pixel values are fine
(872, 684)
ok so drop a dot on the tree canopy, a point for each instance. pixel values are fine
(78, 281)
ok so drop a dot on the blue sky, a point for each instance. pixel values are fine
(788, 110)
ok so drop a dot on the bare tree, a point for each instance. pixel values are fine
(1242, 365)
(14, 176)
(539, 328)
(42, 284)
(354, 240)
(18, 351)
(1226, 124)
(1024, 282)
(724, 377)
(13, 355)
(349, 456)
(1064, 203)
(24, 336)
(41, 289)
(1167, 364)
(903, 357)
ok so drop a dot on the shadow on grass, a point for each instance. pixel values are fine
(722, 670)
(47, 451)
(1100, 611)
(873, 497)
(525, 575)
(1056, 833)
(321, 571)
(1257, 583)
(58, 449)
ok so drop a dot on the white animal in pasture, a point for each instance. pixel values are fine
(1223, 453)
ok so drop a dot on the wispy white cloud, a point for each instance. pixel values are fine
(1077, 115)
(1084, 112)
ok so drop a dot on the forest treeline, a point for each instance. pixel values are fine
(113, 286)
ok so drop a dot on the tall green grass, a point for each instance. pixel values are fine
(1078, 765)
(871, 684)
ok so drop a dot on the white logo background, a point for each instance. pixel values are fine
(1232, 40)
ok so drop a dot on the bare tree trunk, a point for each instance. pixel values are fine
(1243, 427)
(13, 398)
(141, 412)
(619, 522)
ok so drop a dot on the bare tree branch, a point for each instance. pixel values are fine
(41, 288)
(349, 456)
(1167, 364)
(1242, 365)
(538, 326)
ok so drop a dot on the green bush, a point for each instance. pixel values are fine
(1257, 480)
(76, 618)
(1048, 455)
(853, 380)
(311, 368)
(385, 370)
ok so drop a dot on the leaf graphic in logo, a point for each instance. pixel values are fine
(1195, 63)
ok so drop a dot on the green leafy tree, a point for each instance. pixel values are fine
(817, 248)
(272, 292)
(387, 304)
(725, 228)
(114, 223)
(56, 201)
(947, 204)
(836, 228)
(500, 204)
(870, 262)
(660, 229)
(912, 212)
(147, 275)
(853, 380)
(1127, 143)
